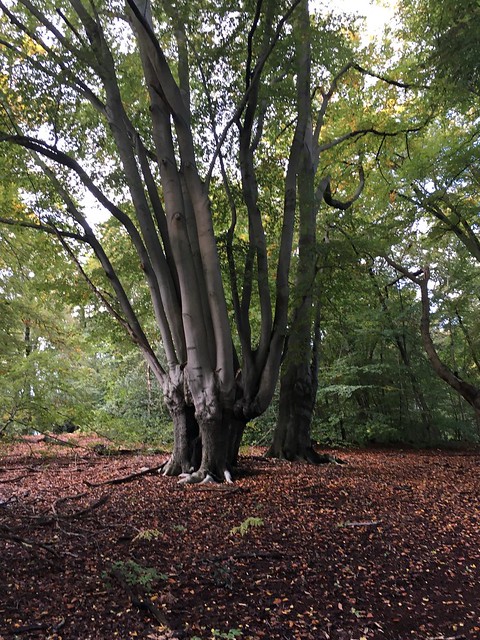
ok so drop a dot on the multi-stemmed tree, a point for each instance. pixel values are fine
(97, 105)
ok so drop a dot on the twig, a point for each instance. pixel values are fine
(247, 554)
(26, 542)
(214, 488)
(60, 501)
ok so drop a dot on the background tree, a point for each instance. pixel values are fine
(48, 377)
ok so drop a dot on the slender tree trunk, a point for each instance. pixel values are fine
(468, 391)
(292, 439)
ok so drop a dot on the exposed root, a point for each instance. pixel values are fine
(308, 455)
(197, 477)
(202, 477)
(171, 468)
(328, 459)
(128, 478)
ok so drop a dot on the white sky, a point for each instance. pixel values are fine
(377, 12)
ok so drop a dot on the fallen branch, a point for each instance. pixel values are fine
(39, 626)
(142, 602)
(60, 501)
(5, 503)
(53, 439)
(13, 479)
(30, 628)
(131, 476)
(26, 542)
(104, 450)
(78, 514)
(43, 520)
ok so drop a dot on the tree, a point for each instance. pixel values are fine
(364, 114)
(67, 59)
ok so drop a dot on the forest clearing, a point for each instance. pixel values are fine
(385, 546)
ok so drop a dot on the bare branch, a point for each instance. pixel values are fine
(45, 229)
(338, 204)
(386, 79)
(255, 75)
(359, 133)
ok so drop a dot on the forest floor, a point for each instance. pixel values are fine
(385, 547)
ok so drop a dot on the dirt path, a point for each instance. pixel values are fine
(385, 547)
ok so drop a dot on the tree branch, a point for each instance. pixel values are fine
(338, 204)
(45, 229)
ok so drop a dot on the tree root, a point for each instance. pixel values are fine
(204, 477)
(308, 455)
(172, 468)
(45, 520)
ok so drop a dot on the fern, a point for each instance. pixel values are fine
(246, 525)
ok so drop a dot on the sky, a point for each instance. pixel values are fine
(377, 14)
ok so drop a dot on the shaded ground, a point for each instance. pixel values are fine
(385, 547)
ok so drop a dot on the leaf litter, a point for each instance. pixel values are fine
(385, 547)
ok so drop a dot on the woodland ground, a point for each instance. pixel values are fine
(387, 547)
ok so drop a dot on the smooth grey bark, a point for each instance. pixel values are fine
(171, 230)
(171, 225)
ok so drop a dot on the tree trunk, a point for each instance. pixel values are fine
(237, 427)
(465, 389)
(185, 456)
(292, 439)
(209, 450)
(298, 391)
(468, 391)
